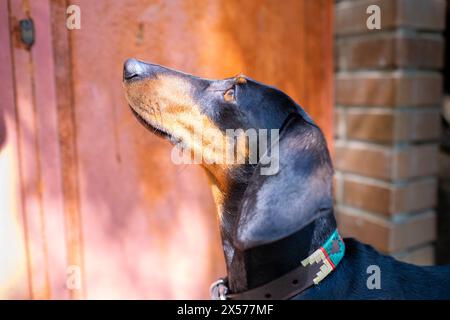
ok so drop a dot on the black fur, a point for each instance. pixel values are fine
(398, 280)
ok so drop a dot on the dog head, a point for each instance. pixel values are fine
(179, 106)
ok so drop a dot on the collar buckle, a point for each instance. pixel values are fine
(310, 272)
(219, 290)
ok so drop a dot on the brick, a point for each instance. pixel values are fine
(367, 196)
(416, 126)
(362, 159)
(351, 16)
(423, 256)
(388, 89)
(414, 196)
(339, 123)
(385, 162)
(369, 231)
(421, 14)
(387, 126)
(373, 126)
(338, 187)
(413, 232)
(390, 199)
(417, 161)
(391, 50)
(387, 236)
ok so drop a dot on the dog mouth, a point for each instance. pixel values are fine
(158, 131)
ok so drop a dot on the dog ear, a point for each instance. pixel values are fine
(275, 206)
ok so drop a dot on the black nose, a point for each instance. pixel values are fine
(133, 68)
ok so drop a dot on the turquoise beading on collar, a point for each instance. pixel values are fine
(329, 254)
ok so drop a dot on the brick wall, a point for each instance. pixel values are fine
(387, 124)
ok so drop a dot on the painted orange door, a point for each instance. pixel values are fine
(92, 205)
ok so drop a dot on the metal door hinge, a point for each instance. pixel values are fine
(27, 34)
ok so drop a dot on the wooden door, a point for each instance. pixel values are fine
(91, 205)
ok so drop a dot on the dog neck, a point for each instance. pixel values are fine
(252, 258)
(254, 267)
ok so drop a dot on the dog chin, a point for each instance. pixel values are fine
(157, 131)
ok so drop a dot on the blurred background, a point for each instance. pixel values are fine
(91, 205)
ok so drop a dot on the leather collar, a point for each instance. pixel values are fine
(311, 271)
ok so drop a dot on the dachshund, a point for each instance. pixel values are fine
(278, 230)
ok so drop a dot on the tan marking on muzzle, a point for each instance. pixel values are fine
(166, 103)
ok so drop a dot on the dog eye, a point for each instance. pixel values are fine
(229, 95)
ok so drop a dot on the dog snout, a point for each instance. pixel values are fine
(134, 68)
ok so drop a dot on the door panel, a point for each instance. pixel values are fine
(104, 203)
